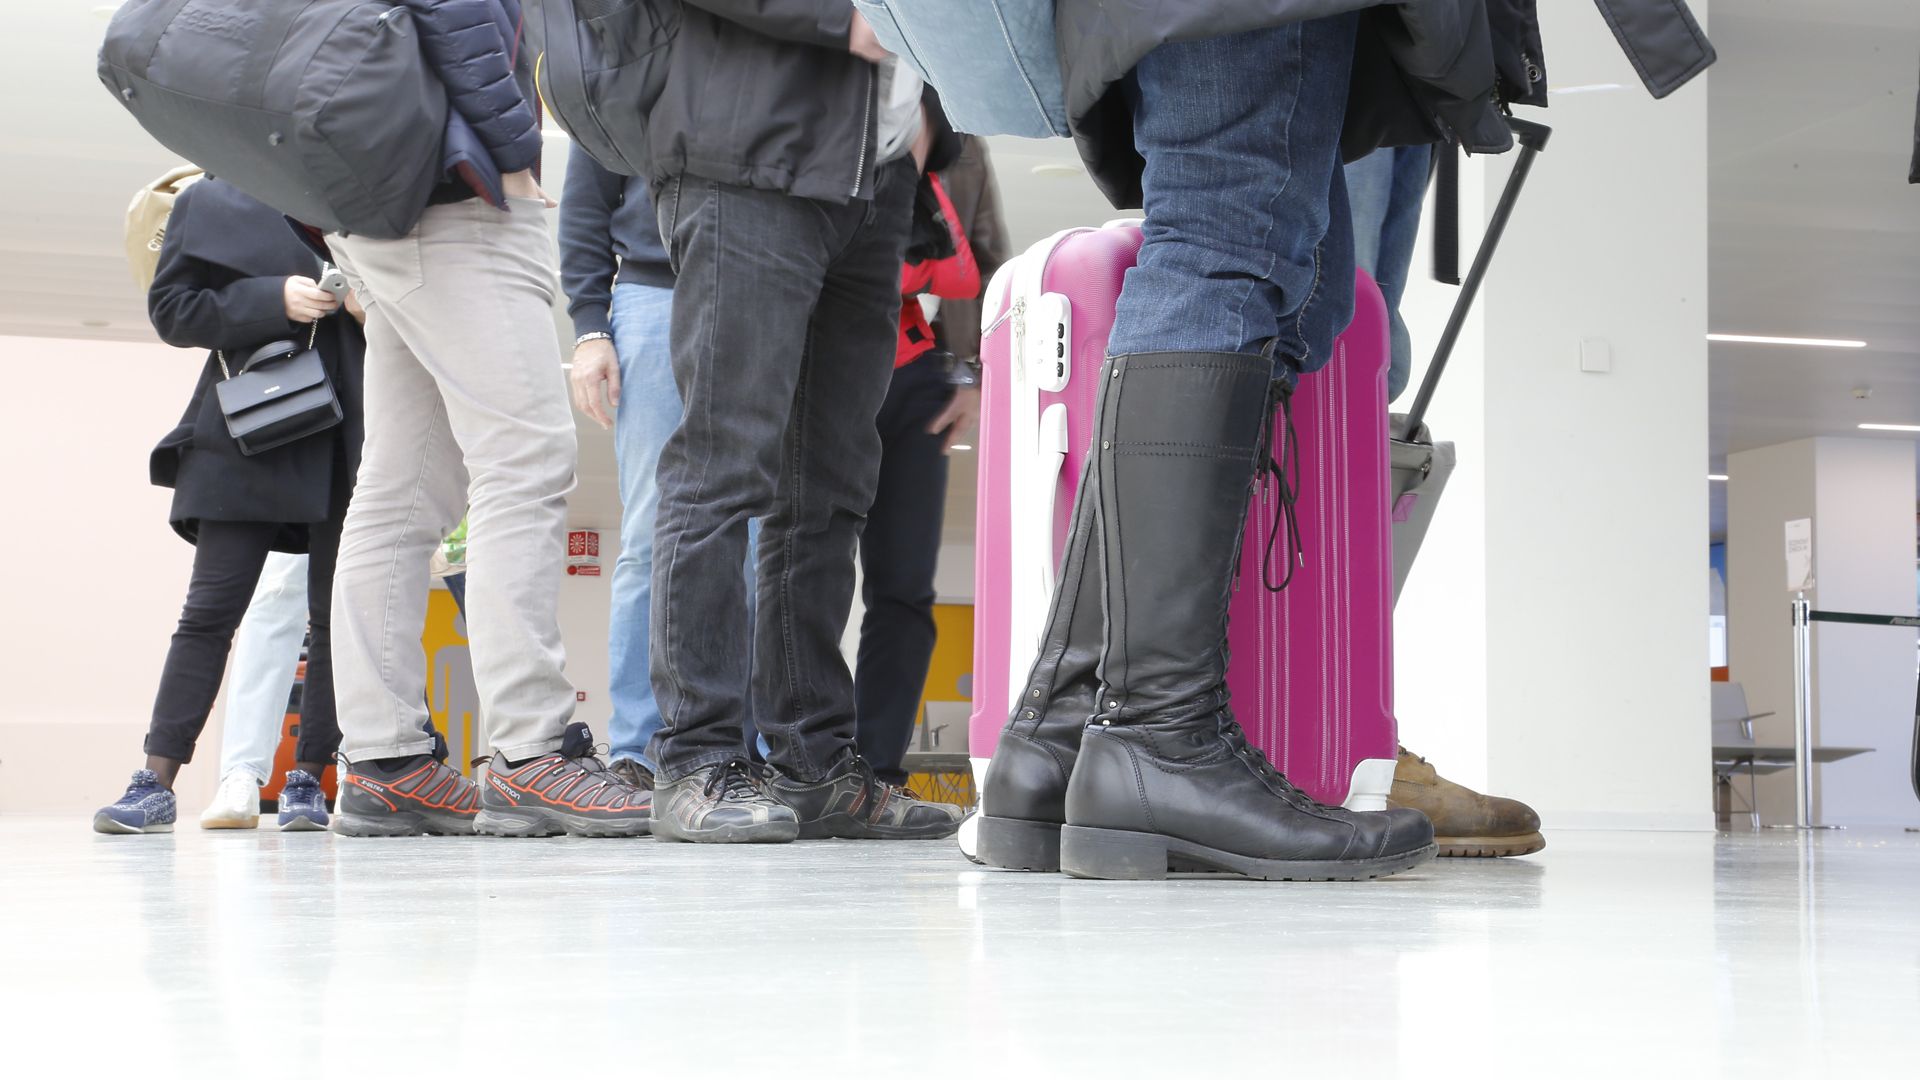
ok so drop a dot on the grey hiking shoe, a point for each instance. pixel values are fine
(722, 804)
(417, 795)
(854, 804)
(567, 791)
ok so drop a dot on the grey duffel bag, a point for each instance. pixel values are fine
(324, 110)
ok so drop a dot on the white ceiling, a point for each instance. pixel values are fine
(1814, 230)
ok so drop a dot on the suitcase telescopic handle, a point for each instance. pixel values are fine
(1532, 138)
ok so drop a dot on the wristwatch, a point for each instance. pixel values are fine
(964, 371)
(592, 335)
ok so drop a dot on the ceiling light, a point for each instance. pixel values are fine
(1810, 342)
(1586, 88)
(1058, 169)
(962, 446)
(1890, 427)
(1717, 477)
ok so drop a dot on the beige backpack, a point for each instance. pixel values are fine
(147, 221)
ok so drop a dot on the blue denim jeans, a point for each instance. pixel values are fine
(1386, 189)
(649, 410)
(1247, 234)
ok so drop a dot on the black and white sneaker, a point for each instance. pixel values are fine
(721, 804)
(854, 804)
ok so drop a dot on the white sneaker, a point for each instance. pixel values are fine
(236, 805)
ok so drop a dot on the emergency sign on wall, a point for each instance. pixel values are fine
(583, 553)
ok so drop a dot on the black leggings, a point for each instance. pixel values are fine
(899, 551)
(226, 569)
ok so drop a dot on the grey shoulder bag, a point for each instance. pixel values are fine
(280, 394)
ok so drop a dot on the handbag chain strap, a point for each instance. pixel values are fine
(313, 335)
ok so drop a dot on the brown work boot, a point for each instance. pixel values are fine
(1466, 824)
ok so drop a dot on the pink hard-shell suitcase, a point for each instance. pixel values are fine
(1311, 670)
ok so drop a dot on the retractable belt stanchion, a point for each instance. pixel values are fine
(1803, 619)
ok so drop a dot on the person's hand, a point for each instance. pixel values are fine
(958, 418)
(596, 380)
(522, 185)
(354, 307)
(862, 43)
(306, 301)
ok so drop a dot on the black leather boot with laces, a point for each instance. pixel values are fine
(1024, 800)
(1164, 778)
(1193, 795)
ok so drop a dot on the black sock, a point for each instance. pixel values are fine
(512, 764)
(398, 764)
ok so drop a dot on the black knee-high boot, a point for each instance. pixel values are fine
(1023, 803)
(1165, 778)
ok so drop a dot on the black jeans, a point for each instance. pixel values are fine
(898, 554)
(226, 567)
(785, 313)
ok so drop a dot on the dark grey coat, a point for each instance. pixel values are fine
(764, 94)
(219, 286)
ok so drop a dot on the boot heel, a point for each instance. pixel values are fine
(1014, 844)
(1112, 854)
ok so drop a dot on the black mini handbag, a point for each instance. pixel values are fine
(280, 394)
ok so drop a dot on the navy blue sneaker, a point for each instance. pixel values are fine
(146, 807)
(303, 806)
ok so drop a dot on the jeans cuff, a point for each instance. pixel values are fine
(248, 771)
(171, 749)
(410, 748)
(523, 751)
(681, 769)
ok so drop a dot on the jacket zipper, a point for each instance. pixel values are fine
(866, 120)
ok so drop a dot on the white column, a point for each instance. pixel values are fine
(1860, 495)
(1584, 531)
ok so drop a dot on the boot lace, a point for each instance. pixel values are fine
(1256, 759)
(1284, 473)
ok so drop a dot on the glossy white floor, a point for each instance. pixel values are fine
(222, 954)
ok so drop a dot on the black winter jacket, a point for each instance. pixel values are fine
(476, 48)
(1423, 70)
(220, 286)
(764, 94)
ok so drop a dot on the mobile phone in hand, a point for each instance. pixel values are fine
(335, 282)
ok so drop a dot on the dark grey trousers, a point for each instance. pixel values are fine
(785, 316)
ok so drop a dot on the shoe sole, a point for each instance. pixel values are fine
(397, 825)
(847, 827)
(231, 823)
(1014, 844)
(302, 823)
(104, 824)
(766, 832)
(1489, 847)
(1121, 855)
(539, 821)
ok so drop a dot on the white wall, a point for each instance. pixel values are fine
(91, 577)
(1766, 488)
(1591, 521)
(1864, 675)
(1859, 493)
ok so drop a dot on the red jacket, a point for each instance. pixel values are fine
(956, 277)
